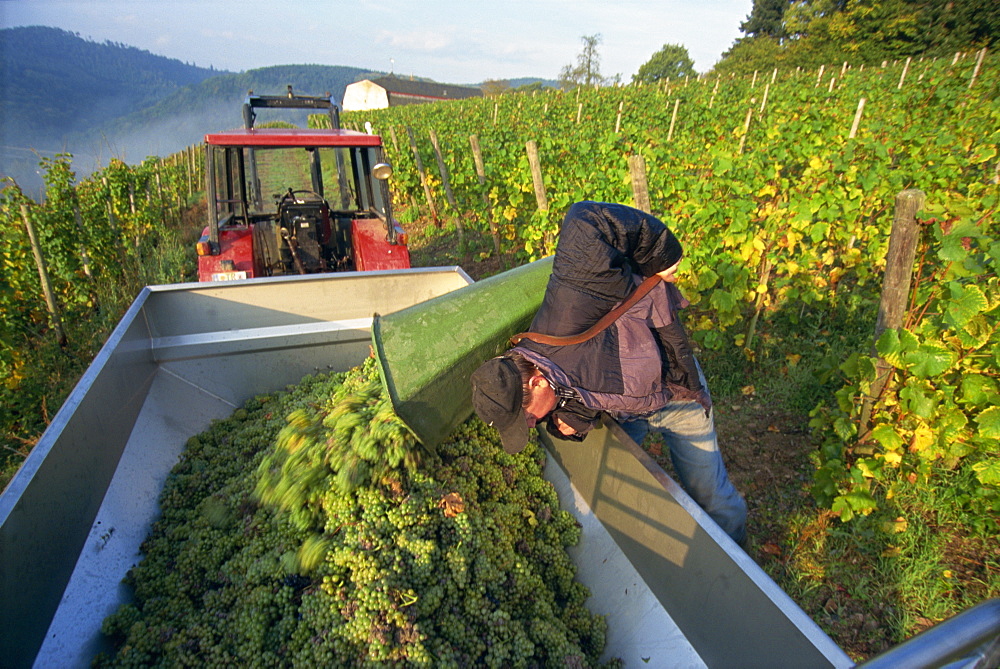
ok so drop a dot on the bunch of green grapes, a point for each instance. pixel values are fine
(268, 554)
(352, 438)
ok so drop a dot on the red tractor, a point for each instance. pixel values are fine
(297, 201)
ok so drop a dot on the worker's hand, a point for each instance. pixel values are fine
(670, 274)
(563, 427)
(705, 400)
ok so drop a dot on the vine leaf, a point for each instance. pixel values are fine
(917, 401)
(452, 504)
(978, 390)
(929, 360)
(976, 333)
(893, 344)
(988, 471)
(966, 303)
(856, 502)
(989, 423)
(887, 437)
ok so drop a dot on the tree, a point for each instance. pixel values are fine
(494, 87)
(587, 71)
(749, 54)
(534, 86)
(802, 16)
(670, 62)
(814, 32)
(765, 19)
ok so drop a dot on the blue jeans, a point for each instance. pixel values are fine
(694, 452)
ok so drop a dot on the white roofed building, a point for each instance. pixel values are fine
(391, 91)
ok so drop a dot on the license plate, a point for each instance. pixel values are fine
(228, 276)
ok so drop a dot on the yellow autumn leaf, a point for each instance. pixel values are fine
(895, 526)
(892, 458)
(767, 190)
(815, 162)
(923, 438)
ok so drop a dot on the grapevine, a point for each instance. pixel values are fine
(102, 240)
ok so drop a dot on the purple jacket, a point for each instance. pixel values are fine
(643, 360)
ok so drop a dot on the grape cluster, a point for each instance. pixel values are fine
(311, 529)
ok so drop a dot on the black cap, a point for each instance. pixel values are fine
(497, 392)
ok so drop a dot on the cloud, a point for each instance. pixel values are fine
(420, 41)
(449, 40)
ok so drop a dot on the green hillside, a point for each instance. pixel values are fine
(63, 93)
(55, 82)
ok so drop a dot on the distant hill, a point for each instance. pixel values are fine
(55, 82)
(57, 85)
(63, 93)
(527, 81)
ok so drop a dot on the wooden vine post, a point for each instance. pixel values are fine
(763, 103)
(902, 77)
(979, 64)
(673, 120)
(857, 119)
(746, 129)
(536, 176)
(449, 196)
(112, 219)
(395, 142)
(443, 169)
(84, 255)
(477, 158)
(640, 188)
(763, 279)
(164, 209)
(422, 174)
(43, 276)
(188, 169)
(895, 285)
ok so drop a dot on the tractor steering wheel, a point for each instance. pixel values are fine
(314, 195)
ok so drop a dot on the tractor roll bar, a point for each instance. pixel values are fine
(289, 101)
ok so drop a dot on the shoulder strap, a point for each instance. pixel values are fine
(598, 327)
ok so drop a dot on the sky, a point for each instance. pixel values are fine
(457, 42)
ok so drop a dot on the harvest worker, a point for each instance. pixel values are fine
(640, 370)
